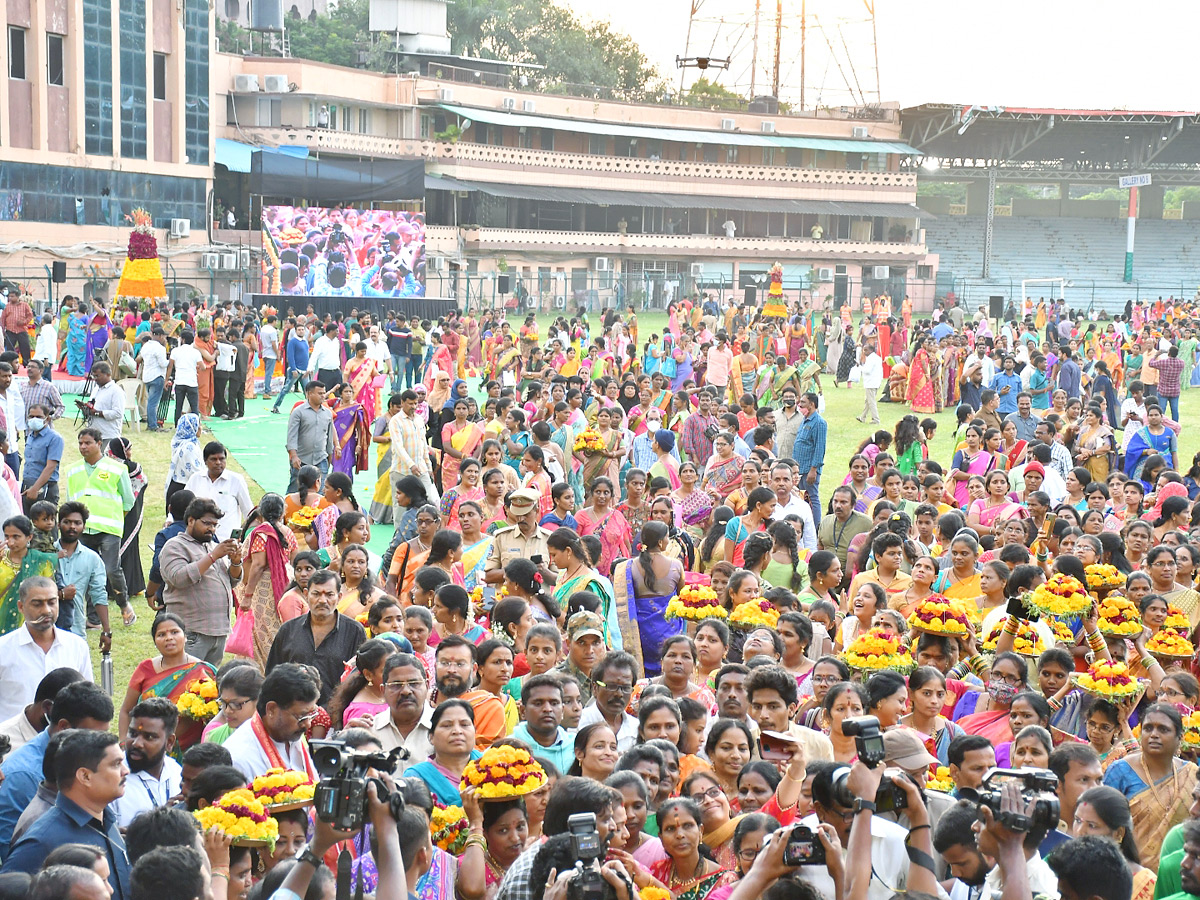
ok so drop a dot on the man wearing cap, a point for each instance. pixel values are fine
(523, 538)
(585, 646)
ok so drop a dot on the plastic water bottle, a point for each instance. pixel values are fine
(106, 672)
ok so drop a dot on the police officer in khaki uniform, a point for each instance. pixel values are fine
(523, 540)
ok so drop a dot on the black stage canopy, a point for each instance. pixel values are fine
(337, 180)
(425, 307)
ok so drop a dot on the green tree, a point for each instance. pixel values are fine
(703, 92)
(955, 192)
(1176, 197)
(334, 38)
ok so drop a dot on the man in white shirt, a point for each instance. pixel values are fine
(106, 406)
(377, 349)
(325, 362)
(268, 335)
(788, 502)
(154, 777)
(12, 405)
(871, 373)
(223, 374)
(227, 489)
(152, 360)
(184, 368)
(29, 653)
(274, 736)
(405, 723)
(617, 673)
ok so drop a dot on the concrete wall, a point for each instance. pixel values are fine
(1091, 209)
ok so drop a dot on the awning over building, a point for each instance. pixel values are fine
(236, 156)
(683, 135)
(597, 197)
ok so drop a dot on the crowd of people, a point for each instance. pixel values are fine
(550, 499)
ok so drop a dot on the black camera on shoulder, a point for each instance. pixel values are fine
(340, 797)
(868, 739)
(586, 846)
(1038, 785)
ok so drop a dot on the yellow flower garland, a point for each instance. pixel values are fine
(504, 772)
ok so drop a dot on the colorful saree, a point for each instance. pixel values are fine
(76, 345)
(465, 440)
(381, 498)
(724, 476)
(455, 496)
(644, 626)
(271, 586)
(590, 580)
(473, 560)
(613, 531)
(979, 464)
(597, 464)
(1144, 440)
(350, 424)
(1156, 807)
(11, 578)
(172, 684)
(361, 376)
(921, 389)
(696, 889)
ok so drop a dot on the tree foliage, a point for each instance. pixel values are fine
(703, 92)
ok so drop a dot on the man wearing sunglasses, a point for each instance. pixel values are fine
(273, 738)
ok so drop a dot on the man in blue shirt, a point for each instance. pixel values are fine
(177, 507)
(1024, 418)
(942, 329)
(43, 456)
(81, 575)
(1070, 375)
(400, 339)
(79, 705)
(1007, 385)
(90, 770)
(297, 363)
(542, 699)
(809, 451)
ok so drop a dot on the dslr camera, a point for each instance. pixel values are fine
(1039, 785)
(586, 846)
(868, 740)
(803, 848)
(340, 797)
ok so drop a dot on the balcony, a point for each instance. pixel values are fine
(587, 243)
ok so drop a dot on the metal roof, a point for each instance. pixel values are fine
(683, 135)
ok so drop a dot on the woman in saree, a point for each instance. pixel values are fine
(171, 674)
(1156, 782)
(351, 430)
(643, 587)
(604, 520)
(1095, 445)
(796, 339)
(18, 562)
(461, 439)
(1104, 812)
(98, 329)
(987, 712)
(695, 505)
(1012, 448)
(960, 581)
(835, 338)
(77, 343)
(605, 463)
(986, 514)
(360, 376)
(971, 460)
(680, 545)
(507, 366)
(724, 472)
(270, 546)
(204, 371)
(381, 497)
(476, 543)
(563, 435)
(1147, 443)
(921, 388)
(1104, 391)
(576, 574)
(452, 736)
(684, 872)
(743, 375)
(339, 498)
(719, 818)
(515, 439)
(469, 487)
(359, 588)
(808, 374)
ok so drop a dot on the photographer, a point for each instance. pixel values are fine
(769, 867)
(1019, 869)
(554, 867)
(954, 840)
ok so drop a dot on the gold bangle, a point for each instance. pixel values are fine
(799, 780)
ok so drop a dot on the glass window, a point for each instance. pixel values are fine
(195, 99)
(133, 79)
(160, 76)
(97, 77)
(597, 144)
(364, 121)
(16, 52)
(54, 59)
(426, 127)
(547, 138)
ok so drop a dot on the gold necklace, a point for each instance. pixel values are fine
(674, 880)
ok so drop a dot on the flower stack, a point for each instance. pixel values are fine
(939, 780)
(302, 518)
(1119, 617)
(243, 817)
(1028, 641)
(1103, 578)
(877, 650)
(1062, 597)
(1170, 646)
(200, 703)
(1177, 621)
(448, 828)
(590, 441)
(695, 602)
(1109, 681)
(141, 276)
(283, 788)
(504, 772)
(1191, 731)
(775, 307)
(1062, 633)
(754, 614)
(938, 615)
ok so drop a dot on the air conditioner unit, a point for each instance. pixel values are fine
(229, 261)
(602, 264)
(245, 84)
(879, 273)
(560, 302)
(528, 105)
(275, 84)
(531, 302)
(509, 103)
(859, 131)
(768, 127)
(210, 261)
(726, 124)
(445, 93)
(825, 275)
(438, 263)
(244, 258)
(696, 270)
(181, 228)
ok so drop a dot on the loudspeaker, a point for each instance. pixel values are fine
(751, 294)
(502, 284)
(995, 307)
(59, 271)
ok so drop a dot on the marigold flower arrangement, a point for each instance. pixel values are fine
(1191, 730)
(877, 650)
(939, 780)
(302, 519)
(504, 772)
(590, 441)
(1028, 641)
(653, 892)
(1119, 616)
(281, 787)
(1061, 596)
(1177, 621)
(1170, 644)
(695, 602)
(448, 828)
(242, 816)
(1101, 576)
(938, 615)
(754, 614)
(200, 703)
(1109, 681)
(1061, 632)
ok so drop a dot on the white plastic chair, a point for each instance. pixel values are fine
(133, 410)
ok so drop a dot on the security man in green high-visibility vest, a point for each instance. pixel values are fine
(102, 484)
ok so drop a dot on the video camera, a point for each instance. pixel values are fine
(868, 741)
(1039, 785)
(340, 797)
(586, 846)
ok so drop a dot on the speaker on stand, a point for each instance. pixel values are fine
(502, 285)
(995, 307)
(751, 294)
(58, 275)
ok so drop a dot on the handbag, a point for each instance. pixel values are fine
(241, 640)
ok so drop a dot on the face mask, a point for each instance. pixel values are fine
(36, 425)
(789, 402)
(1001, 691)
